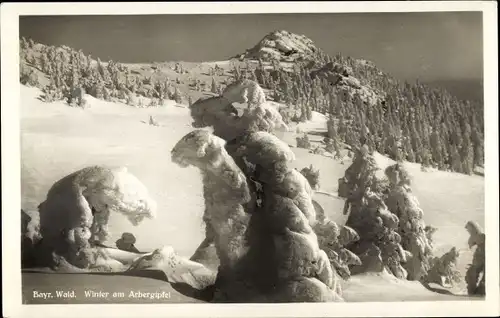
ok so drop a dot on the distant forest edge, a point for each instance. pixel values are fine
(466, 89)
(405, 121)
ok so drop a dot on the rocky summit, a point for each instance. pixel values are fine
(283, 46)
(288, 48)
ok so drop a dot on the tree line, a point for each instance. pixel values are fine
(411, 121)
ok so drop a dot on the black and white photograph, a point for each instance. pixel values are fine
(231, 157)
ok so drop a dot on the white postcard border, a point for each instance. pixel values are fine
(12, 303)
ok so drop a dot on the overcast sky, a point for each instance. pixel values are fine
(407, 45)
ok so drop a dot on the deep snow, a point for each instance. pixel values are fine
(57, 139)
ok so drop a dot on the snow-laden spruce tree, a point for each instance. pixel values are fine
(379, 246)
(312, 175)
(475, 275)
(403, 203)
(332, 238)
(263, 237)
(281, 253)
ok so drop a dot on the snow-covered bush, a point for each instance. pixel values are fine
(303, 142)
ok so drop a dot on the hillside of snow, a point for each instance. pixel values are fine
(57, 139)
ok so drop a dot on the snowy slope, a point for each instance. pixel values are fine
(57, 140)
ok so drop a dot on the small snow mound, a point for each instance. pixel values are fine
(318, 122)
(134, 191)
(318, 117)
(177, 269)
(214, 63)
